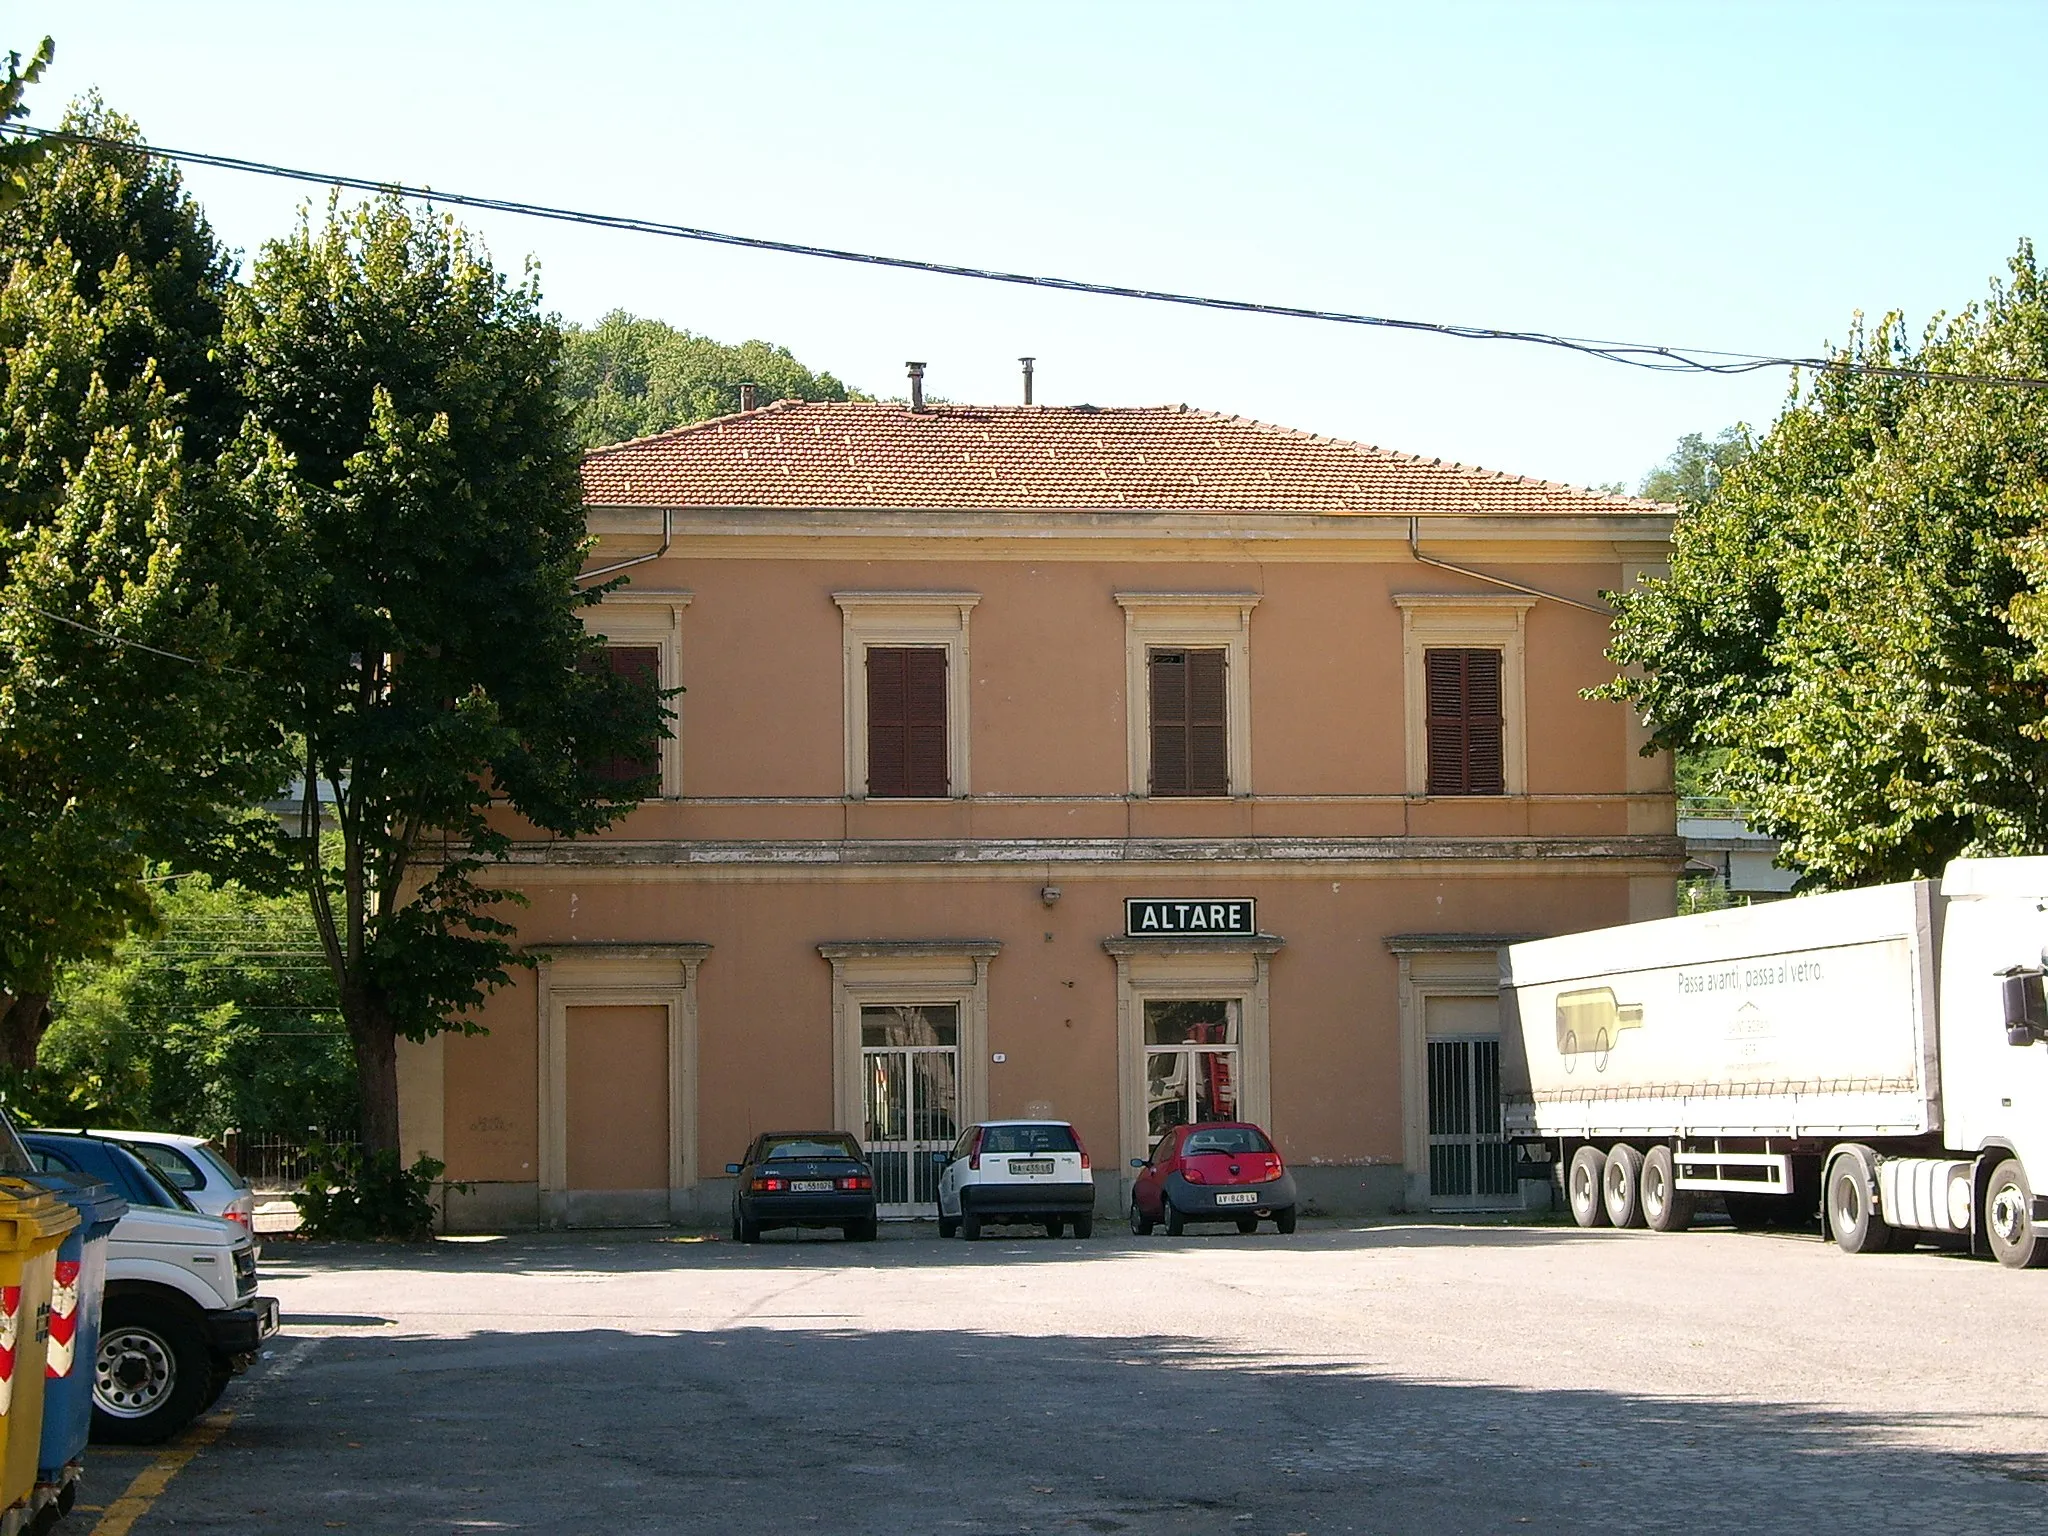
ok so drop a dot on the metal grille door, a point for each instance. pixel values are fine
(1470, 1166)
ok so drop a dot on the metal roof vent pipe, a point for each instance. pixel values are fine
(746, 397)
(916, 385)
(1027, 362)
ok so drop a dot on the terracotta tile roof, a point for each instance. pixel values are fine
(1072, 458)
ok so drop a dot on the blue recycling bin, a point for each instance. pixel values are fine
(81, 1284)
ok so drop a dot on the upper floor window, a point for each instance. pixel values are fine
(642, 630)
(1463, 664)
(1188, 663)
(1190, 722)
(1464, 724)
(906, 670)
(906, 722)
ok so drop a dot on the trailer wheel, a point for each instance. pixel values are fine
(1582, 1186)
(2009, 1222)
(1852, 1202)
(1666, 1207)
(1622, 1188)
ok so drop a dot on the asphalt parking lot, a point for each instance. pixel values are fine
(1398, 1377)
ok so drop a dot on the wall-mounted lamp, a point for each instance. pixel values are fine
(1049, 894)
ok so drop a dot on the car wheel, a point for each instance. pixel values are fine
(970, 1225)
(1175, 1222)
(1141, 1224)
(217, 1379)
(2009, 1221)
(1283, 1221)
(151, 1373)
(948, 1225)
(1055, 1228)
(860, 1231)
(1084, 1226)
(749, 1231)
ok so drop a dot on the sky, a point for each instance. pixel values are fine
(1735, 176)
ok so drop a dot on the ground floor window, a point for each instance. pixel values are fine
(910, 1060)
(1191, 1062)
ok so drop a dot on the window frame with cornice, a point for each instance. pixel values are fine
(934, 620)
(1202, 621)
(1465, 621)
(649, 617)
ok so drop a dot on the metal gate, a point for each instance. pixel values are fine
(1470, 1167)
(910, 1071)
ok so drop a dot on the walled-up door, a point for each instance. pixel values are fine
(616, 1115)
(1470, 1166)
(910, 1064)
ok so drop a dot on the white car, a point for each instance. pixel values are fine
(194, 1167)
(1017, 1171)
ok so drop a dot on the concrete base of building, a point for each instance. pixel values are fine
(491, 1207)
(1372, 1190)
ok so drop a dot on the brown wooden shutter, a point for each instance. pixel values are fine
(907, 722)
(1190, 731)
(641, 663)
(1464, 723)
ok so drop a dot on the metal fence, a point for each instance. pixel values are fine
(271, 1161)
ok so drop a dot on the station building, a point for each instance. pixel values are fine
(1121, 765)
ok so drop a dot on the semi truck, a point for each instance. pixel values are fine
(1874, 1061)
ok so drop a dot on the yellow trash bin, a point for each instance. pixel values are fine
(32, 1226)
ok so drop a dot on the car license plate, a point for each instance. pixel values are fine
(1030, 1165)
(811, 1186)
(1249, 1197)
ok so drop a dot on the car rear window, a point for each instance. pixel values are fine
(168, 1164)
(810, 1146)
(1029, 1138)
(208, 1153)
(1228, 1138)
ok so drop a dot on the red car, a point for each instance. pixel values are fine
(1215, 1171)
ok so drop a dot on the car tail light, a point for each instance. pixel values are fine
(1192, 1174)
(1274, 1167)
(974, 1152)
(769, 1186)
(1081, 1147)
(239, 1218)
(856, 1181)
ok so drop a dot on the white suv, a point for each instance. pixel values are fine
(1021, 1171)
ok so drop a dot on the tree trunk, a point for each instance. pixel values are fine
(376, 1052)
(22, 1027)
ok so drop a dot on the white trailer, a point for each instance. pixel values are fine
(1874, 1059)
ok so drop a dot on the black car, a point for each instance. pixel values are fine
(107, 1160)
(803, 1179)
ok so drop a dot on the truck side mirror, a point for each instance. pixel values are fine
(2026, 1006)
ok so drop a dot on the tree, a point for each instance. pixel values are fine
(1697, 466)
(223, 1018)
(135, 522)
(629, 377)
(434, 673)
(19, 157)
(1856, 615)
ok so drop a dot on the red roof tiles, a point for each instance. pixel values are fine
(1070, 458)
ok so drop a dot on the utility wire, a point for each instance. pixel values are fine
(1655, 357)
(58, 618)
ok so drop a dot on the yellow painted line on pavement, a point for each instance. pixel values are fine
(153, 1479)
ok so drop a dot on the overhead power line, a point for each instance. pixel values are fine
(134, 645)
(1653, 356)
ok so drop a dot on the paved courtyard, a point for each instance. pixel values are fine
(1387, 1378)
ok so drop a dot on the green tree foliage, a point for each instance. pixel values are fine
(629, 377)
(223, 1018)
(1855, 616)
(18, 157)
(1697, 466)
(434, 672)
(134, 525)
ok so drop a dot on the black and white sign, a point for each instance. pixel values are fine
(1155, 914)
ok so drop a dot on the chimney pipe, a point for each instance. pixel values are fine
(916, 385)
(746, 397)
(1027, 362)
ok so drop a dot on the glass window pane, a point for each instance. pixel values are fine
(1203, 1022)
(1166, 1090)
(1215, 1081)
(910, 1024)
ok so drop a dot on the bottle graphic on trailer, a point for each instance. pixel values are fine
(1589, 1020)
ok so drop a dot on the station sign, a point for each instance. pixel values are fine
(1157, 915)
